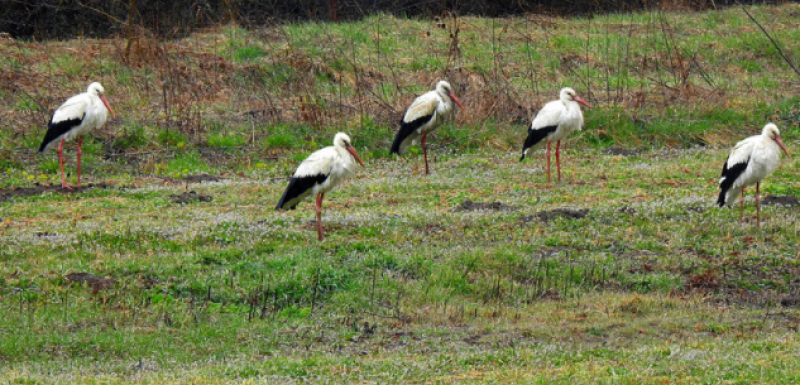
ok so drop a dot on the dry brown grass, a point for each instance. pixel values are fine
(636, 70)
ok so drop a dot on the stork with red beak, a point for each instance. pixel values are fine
(554, 122)
(748, 163)
(424, 115)
(77, 116)
(319, 173)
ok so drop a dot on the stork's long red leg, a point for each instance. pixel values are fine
(319, 216)
(548, 161)
(425, 152)
(741, 208)
(61, 162)
(80, 141)
(558, 160)
(758, 208)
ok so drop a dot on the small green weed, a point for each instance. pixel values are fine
(229, 139)
(171, 138)
(246, 54)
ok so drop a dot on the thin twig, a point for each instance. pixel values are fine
(110, 17)
(780, 51)
(399, 318)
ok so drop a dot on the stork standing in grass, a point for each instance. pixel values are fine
(748, 163)
(77, 116)
(424, 115)
(319, 173)
(554, 122)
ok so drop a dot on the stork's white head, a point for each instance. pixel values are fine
(341, 140)
(569, 95)
(443, 88)
(97, 90)
(771, 131)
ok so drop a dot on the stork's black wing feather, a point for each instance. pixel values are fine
(406, 129)
(298, 187)
(535, 136)
(54, 130)
(729, 175)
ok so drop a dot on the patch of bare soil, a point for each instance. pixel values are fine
(200, 178)
(24, 192)
(189, 197)
(621, 151)
(475, 339)
(194, 179)
(93, 281)
(469, 205)
(790, 301)
(707, 280)
(430, 228)
(547, 216)
(751, 283)
(781, 200)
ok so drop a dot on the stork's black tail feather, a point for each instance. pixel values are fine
(398, 139)
(407, 129)
(536, 135)
(299, 187)
(729, 175)
(54, 130)
(721, 199)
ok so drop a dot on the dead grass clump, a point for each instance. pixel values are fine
(95, 282)
(633, 305)
(706, 280)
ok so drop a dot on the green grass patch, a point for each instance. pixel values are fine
(246, 54)
(228, 139)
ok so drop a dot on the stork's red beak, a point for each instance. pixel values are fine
(783, 147)
(455, 99)
(581, 101)
(110, 110)
(352, 151)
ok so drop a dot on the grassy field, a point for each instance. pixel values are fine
(653, 283)
(174, 268)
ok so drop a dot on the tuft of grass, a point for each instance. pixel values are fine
(50, 166)
(246, 54)
(171, 138)
(229, 139)
(133, 137)
(26, 104)
(281, 140)
(186, 163)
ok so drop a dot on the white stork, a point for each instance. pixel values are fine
(423, 116)
(554, 122)
(77, 116)
(319, 173)
(749, 162)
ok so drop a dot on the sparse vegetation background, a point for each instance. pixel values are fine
(625, 273)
